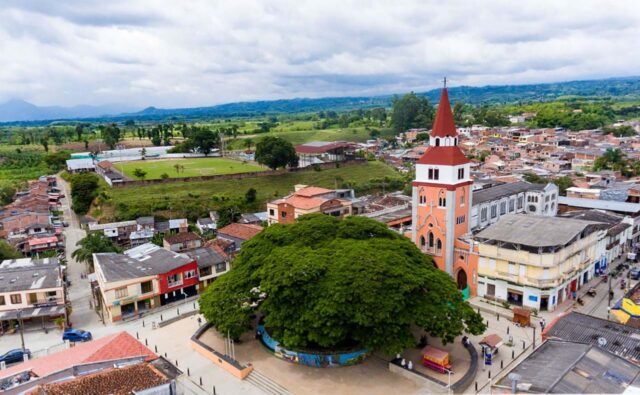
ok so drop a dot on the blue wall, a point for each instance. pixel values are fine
(319, 360)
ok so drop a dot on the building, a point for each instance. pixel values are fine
(489, 204)
(114, 364)
(565, 367)
(141, 279)
(317, 152)
(537, 261)
(180, 242)
(306, 200)
(441, 207)
(36, 288)
(118, 232)
(213, 262)
(238, 233)
(80, 165)
(627, 310)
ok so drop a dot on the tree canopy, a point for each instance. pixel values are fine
(332, 283)
(84, 187)
(275, 152)
(7, 251)
(411, 111)
(92, 244)
(111, 134)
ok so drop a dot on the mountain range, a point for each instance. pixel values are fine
(21, 112)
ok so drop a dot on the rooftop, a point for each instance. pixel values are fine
(142, 261)
(444, 124)
(22, 278)
(499, 191)
(448, 156)
(207, 256)
(574, 368)
(319, 147)
(95, 227)
(240, 231)
(181, 237)
(536, 231)
(623, 207)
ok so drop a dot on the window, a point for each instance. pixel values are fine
(491, 289)
(460, 173)
(553, 196)
(503, 208)
(33, 298)
(438, 246)
(532, 208)
(520, 202)
(431, 240)
(483, 214)
(433, 174)
(272, 212)
(512, 268)
(283, 214)
(205, 271)
(460, 220)
(146, 287)
(221, 267)
(16, 299)
(423, 242)
(494, 211)
(442, 202)
(2, 301)
(423, 199)
(189, 274)
(174, 280)
(462, 200)
(437, 142)
(512, 205)
(122, 293)
(430, 174)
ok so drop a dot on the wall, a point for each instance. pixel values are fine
(314, 359)
(164, 286)
(225, 362)
(24, 297)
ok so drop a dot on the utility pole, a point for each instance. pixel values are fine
(20, 323)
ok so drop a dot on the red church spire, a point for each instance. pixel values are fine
(444, 125)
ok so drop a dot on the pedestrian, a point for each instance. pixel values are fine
(543, 323)
(199, 321)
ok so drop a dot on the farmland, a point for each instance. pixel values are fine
(192, 167)
(195, 198)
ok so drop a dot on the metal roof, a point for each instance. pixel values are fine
(503, 190)
(610, 205)
(30, 278)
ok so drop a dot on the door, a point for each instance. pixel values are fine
(544, 303)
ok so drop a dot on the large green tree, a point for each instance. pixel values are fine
(612, 159)
(111, 134)
(93, 244)
(275, 152)
(204, 140)
(7, 251)
(84, 188)
(411, 111)
(331, 283)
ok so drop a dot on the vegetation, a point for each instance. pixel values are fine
(7, 251)
(563, 182)
(84, 188)
(275, 152)
(355, 282)
(193, 167)
(195, 199)
(92, 244)
(411, 111)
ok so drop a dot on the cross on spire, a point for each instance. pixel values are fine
(445, 81)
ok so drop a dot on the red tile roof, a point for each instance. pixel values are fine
(449, 156)
(117, 346)
(241, 231)
(312, 191)
(444, 124)
(43, 240)
(181, 237)
(304, 203)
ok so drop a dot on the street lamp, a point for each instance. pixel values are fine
(20, 322)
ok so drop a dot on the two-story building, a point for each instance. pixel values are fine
(308, 199)
(238, 233)
(537, 261)
(213, 262)
(33, 288)
(142, 278)
(118, 232)
(180, 242)
(490, 204)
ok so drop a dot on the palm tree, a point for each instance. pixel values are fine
(92, 244)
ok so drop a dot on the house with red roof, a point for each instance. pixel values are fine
(309, 199)
(237, 233)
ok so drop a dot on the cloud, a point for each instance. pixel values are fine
(200, 52)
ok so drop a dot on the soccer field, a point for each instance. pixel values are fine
(191, 167)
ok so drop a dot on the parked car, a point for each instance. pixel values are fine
(76, 335)
(14, 356)
(634, 273)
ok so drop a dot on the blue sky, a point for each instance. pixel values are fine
(203, 52)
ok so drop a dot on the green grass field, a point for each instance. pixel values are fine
(196, 198)
(192, 167)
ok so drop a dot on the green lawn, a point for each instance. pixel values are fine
(191, 167)
(196, 198)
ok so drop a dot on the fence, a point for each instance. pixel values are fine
(49, 350)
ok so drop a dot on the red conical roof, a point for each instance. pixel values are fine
(444, 124)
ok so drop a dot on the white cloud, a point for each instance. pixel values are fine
(201, 52)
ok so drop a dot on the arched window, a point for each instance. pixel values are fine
(442, 198)
(430, 239)
(439, 246)
(422, 241)
(455, 141)
(437, 142)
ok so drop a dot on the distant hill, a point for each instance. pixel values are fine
(20, 110)
(621, 88)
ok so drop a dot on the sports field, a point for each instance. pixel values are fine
(192, 167)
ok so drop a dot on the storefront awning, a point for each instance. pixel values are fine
(49, 311)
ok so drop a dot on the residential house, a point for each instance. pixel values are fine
(306, 200)
(80, 165)
(36, 288)
(178, 225)
(213, 262)
(141, 279)
(239, 233)
(118, 232)
(180, 242)
(536, 261)
(206, 225)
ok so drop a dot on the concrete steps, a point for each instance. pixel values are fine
(266, 384)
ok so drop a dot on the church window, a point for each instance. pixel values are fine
(483, 214)
(461, 173)
(437, 142)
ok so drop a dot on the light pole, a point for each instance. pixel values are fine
(20, 322)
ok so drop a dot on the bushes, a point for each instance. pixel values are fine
(84, 188)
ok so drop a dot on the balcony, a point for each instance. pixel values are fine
(431, 251)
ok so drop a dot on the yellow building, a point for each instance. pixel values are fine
(537, 261)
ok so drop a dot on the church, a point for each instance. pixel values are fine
(441, 210)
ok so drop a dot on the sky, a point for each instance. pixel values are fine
(189, 53)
